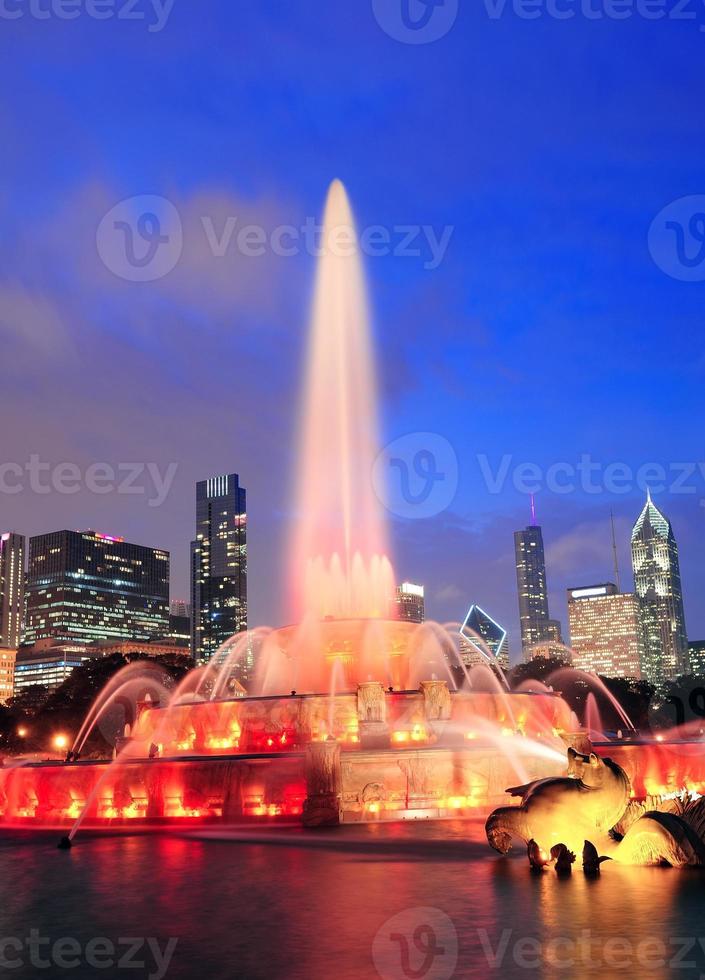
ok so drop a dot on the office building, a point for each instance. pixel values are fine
(534, 619)
(47, 664)
(7, 673)
(696, 658)
(408, 603)
(83, 586)
(605, 632)
(481, 635)
(219, 568)
(12, 548)
(179, 607)
(657, 583)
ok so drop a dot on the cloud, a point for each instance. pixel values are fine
(447, 593)
(31, 324)
(582, 547)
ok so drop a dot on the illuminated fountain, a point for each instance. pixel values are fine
(350, 715)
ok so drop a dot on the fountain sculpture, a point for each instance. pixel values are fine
(593, 804)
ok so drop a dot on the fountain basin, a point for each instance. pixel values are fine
(363, 756)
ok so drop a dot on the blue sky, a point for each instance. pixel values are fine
(548, 331)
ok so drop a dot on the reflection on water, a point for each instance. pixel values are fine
(287, 904)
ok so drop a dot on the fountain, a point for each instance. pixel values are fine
(352, 716)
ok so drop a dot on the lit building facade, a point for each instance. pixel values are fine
(551, 650)
(7, 673)
(47, 664)
(219, 569)
(657, 583)
(83, 587)
(12, 552)
(534, 619)
(605, 631)
(180, 607)
(409, 603)
(696, 657)
(480, 635)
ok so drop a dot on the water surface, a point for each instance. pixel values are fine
(284, 903)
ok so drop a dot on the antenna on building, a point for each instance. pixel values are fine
(533, 509)
(614, 554)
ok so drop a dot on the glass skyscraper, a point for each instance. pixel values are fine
(536, 624)
(657, 583)
(481, 634)
(12, 548)
(83, 586)
(219, 568)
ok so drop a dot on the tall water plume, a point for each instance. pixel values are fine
(338, 556)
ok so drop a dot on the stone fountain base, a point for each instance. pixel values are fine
(387, 756)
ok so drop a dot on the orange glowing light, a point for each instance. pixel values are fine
(60, 742)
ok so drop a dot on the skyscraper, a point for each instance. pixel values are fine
(180, 607)
(536, 624)
(605, 630)
(83, 586)
(480, 634)
(409, 603)
(219, 568)
(657, 583)
(11, 589)
(696, 657)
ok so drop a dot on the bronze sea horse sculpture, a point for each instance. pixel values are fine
(586, 805)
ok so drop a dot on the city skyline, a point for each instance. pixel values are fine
(552, 624)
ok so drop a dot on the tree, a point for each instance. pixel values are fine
(45, 714)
